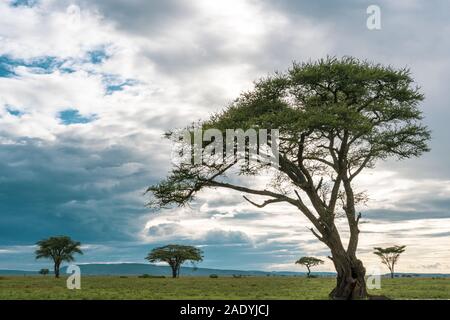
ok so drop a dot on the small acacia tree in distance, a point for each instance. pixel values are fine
(59, 249)
(389, 256)
(44, 272)
(336, 118)
(175, 255)
(309, 262)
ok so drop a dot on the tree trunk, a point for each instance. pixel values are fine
(56, 268)
(309, 272)
(174, 271)
(350, 281)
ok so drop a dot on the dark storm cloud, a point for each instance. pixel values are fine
(163, 229)
(338, 11)
(70, 188)
(218, 236)
(439, 235)
(142, 17)
(397, 215)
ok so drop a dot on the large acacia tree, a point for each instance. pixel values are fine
(175, 255)
(59, 249)
(335, 117)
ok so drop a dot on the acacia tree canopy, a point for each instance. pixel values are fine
(335, 118)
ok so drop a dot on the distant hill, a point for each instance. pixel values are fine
(151, 269)
(140, 268)
(17, 272)
(98, 269)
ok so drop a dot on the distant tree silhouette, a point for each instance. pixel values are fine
(59, 249)
(44, 272)
(309, 262)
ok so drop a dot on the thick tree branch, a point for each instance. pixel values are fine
(317, 235)
(361, 167)
(268, 193)
(293, 172)
(265, 203)
(334, 194)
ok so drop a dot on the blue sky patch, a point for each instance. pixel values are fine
(45, 65)
(73, 116)
(6, 68)
(38, 65)
(49, 64)
(119, 86)
(24, 3)
(97, 56)
(114, 83)
(14, 112)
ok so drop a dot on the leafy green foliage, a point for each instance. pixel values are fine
(60, 248)
(309, 261)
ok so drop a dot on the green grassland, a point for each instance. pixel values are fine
(114, 287)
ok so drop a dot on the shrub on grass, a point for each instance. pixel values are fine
(146, 276)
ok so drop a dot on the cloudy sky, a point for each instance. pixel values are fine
(87, 89)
